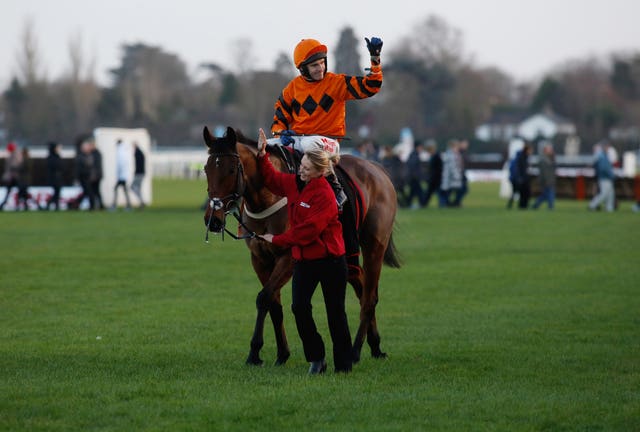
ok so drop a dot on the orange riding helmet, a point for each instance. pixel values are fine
(307, 51)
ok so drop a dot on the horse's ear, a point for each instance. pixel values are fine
(231, 134)
(208, 138)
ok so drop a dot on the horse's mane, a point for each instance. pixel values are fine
(239, 136)
(244, 140)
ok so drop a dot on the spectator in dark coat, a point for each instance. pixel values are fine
(519, 178)
(414, 173)
(138, 176)
(434, 176)
(54, 174)
(96, 175)
(84, 168)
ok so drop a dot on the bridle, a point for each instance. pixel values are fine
(232, 201)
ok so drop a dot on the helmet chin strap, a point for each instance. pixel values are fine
(304, 71)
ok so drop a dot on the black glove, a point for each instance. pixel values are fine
(374, 46)
(286, 136)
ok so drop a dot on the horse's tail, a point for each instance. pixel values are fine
(391, 256)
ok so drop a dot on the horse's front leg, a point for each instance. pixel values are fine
(262, 306)
(268, 300)
(257, 340)
(279, 277)
(277, 318)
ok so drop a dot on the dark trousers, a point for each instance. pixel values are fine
(460, 193)
(444, 197)
(523, 191)
(331, 273)
(123, 185)
(95, 187)
(415, 191)
(432, 187)
(10, 185)
(87, 192)
(525, 194)
(55, 197)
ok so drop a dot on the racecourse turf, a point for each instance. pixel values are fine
(498, 321)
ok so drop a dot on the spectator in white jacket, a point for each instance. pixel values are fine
(123, 172)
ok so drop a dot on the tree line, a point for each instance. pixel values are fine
(430, 85)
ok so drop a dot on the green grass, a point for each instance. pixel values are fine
(499, 320)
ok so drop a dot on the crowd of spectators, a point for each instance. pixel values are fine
(427, 172)
(87, 175)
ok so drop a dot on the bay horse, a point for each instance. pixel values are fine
(235, 185)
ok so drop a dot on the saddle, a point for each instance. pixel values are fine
(352, 215)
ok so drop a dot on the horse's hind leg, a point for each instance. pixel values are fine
(373, 339)
(372, 260)
(368, 326)
(357, 284)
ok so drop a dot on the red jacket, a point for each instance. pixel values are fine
(314, 229)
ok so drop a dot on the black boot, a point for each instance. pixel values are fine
(341, 197)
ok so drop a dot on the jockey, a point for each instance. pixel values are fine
(311, 109)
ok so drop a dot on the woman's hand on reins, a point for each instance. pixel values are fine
(262, 143)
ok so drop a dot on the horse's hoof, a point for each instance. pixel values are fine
(355, 357)
(281, 360)
(254, 361)
(379, 355)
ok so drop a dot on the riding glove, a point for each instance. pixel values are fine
(374, 46)
(286, 137)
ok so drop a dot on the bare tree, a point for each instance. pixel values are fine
(243, 55)
(151, 83)
(31, 120)
(284, 66)
(80, 86)
(587, 96)
(28, 57)
(435, 42)
(471, 101)
(258, 106)
(346, 53)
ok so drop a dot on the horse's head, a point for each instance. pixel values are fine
(225, 181)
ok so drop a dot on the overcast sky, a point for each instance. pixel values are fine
(522, 38)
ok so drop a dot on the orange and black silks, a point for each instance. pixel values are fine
(319, 107)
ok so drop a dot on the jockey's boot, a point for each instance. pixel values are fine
(341, 197)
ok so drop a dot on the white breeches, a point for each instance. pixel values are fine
(304, 143)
